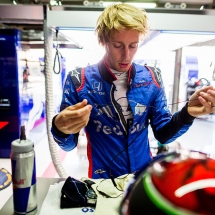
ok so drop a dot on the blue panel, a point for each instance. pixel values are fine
(9, 90)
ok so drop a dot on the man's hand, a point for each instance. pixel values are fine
(73, 118)
(202, 102)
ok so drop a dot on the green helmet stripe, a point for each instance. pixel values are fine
(162, 203)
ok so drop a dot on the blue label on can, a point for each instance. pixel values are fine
(20, 199)
(33, 181)
(13, 164)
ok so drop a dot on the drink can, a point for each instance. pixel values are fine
(24, 177)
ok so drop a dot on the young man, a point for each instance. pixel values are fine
(115, 100)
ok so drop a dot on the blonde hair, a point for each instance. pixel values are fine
(120, 17)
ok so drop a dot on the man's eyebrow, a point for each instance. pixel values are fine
(115, 41)
(122, 42)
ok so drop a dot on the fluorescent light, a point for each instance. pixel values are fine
(142, 5)
(14, 2)
(187, 32)
(202, 7)
(53, 2)
(107, 3)
(136, 4)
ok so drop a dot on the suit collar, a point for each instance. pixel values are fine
(109, 77)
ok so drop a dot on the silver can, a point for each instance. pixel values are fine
(24, 177)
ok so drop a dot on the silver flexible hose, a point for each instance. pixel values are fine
(48, 45)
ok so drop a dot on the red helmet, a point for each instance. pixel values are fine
(180, 183)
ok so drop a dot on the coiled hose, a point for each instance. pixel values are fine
(48, 45)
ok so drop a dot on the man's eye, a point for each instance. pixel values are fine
(134, 46)
(115, 46)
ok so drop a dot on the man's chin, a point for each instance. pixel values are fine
(120, 69)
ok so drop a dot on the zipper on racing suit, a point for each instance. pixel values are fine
(122, 120)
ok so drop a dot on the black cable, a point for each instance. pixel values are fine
(111, 176)
(110, 166)
(57, 57)
(105, 194)
(127, 146)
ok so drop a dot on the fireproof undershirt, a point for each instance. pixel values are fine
(120, 93)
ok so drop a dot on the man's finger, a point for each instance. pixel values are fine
(203, 89)
(208, 97)
(75, 113)
(78, 105)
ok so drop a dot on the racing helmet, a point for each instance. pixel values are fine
(179, 183)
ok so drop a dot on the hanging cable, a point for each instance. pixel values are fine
(57, 57)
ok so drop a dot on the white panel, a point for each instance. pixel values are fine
(182, 22)
(158, 21)
(82, 19)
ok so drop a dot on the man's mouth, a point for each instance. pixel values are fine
(123, 65)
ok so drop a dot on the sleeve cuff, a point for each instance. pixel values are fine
(58, 132)
(185, 117)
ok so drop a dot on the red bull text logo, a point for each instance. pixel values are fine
(21, 181)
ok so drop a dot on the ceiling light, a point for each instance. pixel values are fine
(53, 2)
(107, 3)
(188, 32)
(183, 5)
(142, 5)
(167, 5)
(202, 7)
(136, 4)
(101, 3)
(14, 2)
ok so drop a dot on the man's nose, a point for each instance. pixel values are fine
(126, 54)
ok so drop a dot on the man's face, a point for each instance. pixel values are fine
(121, 48)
